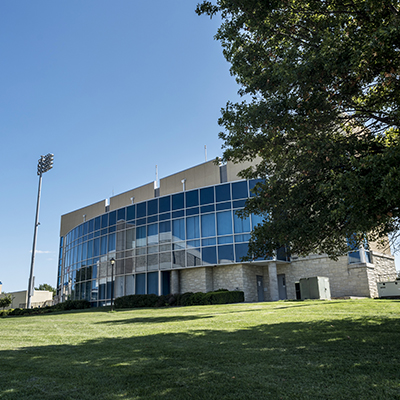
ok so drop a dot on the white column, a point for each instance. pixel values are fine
(273, 282)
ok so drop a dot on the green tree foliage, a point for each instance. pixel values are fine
(321, 88)
(46, 286)
(5, 300)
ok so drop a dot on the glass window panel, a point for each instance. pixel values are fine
(164, 204)
(104, 221)
(104, 231)
(178, 258)
(224, 223)
(112, 218)
(242, 238)
(111, 242)
(193, 257)
(141, 221)
(192, 198)
(178, 214)
(207, 209)
(119, 267)
(209, 255)
(120, 245)
(112, 229)
(84, 251)
(141, 210)
(224, 206)
(208, 225)
(90, 249)
(354, 257)
(165, 260)
(177, 201)
(239, 190)
(225, 239)
(96, 249)
(239, 203)
(241, 224)
(140, 284)
(152, 219)
(130, 238)
(91, 226)
(163, 217)
(208, 242)
(165, 231)
(141, 236)
(223, 192)
(225, 254)
(178, 229)
(121, 214)
(193, 243)
(152, 234)
(130, 212)
(192, 211)
(129, 265)
(86, 228)
(129, 285)
(192, 227)
(241, 251)
(80, 230)
(165, 247)
(152, 262)
(97, 223)
(152, 207)
(103, 249)
(141, 263)
(152, 283)
(152, 249)
(207, 195)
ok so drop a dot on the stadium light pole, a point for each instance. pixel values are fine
(45, 163)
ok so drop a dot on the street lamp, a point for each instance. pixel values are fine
(112, 261)
(45, 164)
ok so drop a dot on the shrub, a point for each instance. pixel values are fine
(136, 300)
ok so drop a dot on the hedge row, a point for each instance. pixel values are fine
(186, 299)
(66, 305)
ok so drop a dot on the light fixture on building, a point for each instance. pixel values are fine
(45, 163)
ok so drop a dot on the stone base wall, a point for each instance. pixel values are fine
(344, 279)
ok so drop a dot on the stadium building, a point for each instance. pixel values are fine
(183, 235)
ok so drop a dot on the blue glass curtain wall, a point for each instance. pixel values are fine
(149, 239)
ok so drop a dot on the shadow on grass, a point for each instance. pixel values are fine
(339, 359)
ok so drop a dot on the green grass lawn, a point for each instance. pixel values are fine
(284, 350)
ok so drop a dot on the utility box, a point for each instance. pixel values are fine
(316, 287)
(388, 289)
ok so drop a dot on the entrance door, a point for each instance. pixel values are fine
(282, 287)
(260, 288)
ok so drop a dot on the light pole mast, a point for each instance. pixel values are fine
(45, 163)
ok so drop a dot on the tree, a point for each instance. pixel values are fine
(45, 286)
(5, 300)
(321, 87)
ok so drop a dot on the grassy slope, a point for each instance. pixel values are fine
(284, 350)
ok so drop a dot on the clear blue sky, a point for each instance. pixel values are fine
(112, 88)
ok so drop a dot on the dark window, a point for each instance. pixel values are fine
(140, 284)
(253, 183)
(241, 251)
(121, 214)
(192, 211)
(209, 255)
(112, 218)
(192, 198)
(91, 225)
(130, 213)
(223, 192)
(207, 195)
(225, 253)
(141, 210)
(177, 201)
(104, 221)
(152, 207)
(239, 190)
(152, 283)
(164, 204)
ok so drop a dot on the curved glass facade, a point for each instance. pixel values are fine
(150, 239)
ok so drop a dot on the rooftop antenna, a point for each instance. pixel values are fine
(205, 152)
